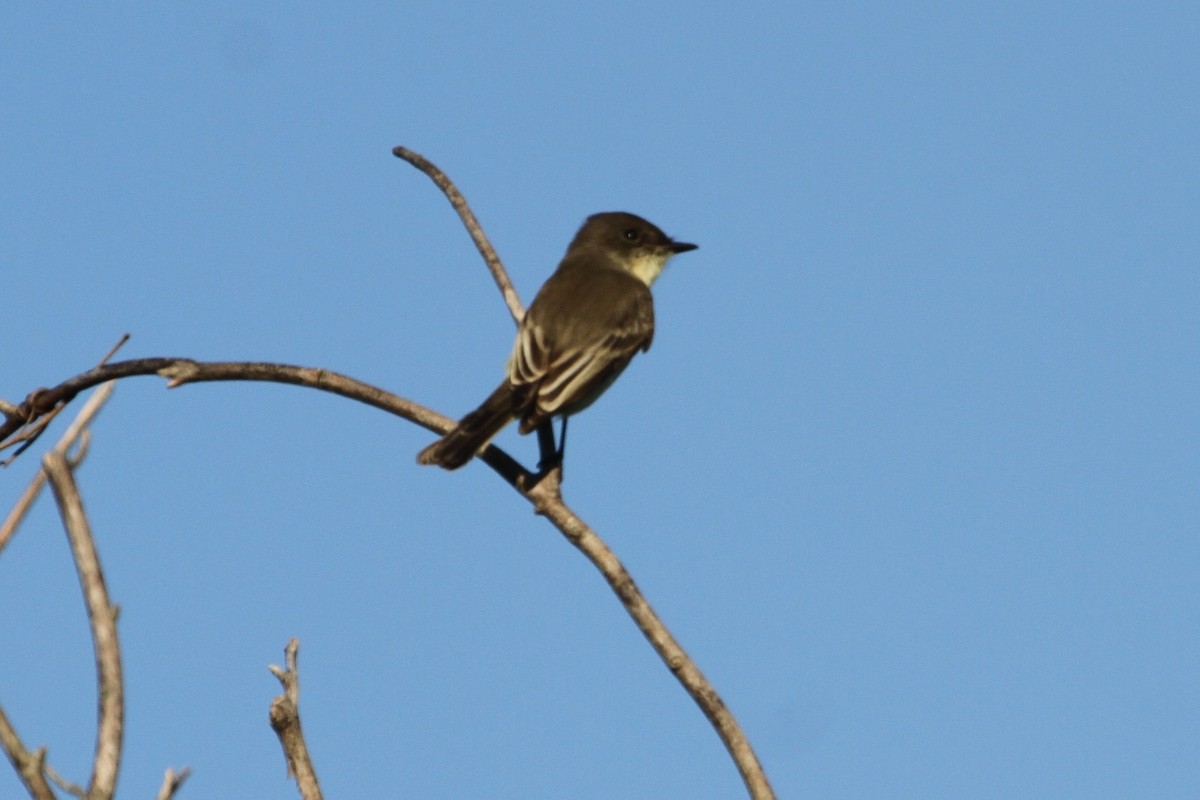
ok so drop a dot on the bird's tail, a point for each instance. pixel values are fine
(473, 431)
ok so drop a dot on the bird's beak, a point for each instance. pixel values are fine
(681, 247)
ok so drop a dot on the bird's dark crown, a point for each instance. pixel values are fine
(622, 231)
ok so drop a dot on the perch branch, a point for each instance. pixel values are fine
(546, 498)
(183, 371)
(542, 490)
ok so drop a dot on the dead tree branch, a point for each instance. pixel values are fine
(30, 766)
(547, 500)
(103, 618)
(172, 780)
(285, 721)
(542, 490)
(499, 274)
(29, 433)
(89, 411)
(183, 371)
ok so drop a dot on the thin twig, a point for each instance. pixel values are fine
(103, 618)
(21, 508)
(172, 780)
(30, 766)
(89, 411)
(70, 787)
(32, 425)
(285, 721)
(113, 351)
(473, 227)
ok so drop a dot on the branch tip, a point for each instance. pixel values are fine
(494, 265)
(172, 780)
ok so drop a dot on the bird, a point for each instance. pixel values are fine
(586, 323)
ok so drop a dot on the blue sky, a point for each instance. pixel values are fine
(911, 469)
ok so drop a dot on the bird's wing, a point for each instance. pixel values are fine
(570, 371)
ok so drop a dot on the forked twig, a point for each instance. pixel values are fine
(30, 766)
(285, 721)
(89, 411)
(36, 415)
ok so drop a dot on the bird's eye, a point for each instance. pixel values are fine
(631, 235)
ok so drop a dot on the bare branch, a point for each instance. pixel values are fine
(33, 426)
(89, 411)
(172, 780)
(22, 760)
(32, 767)
(21, 508)
(544, 491)
(541, 489)
(29, 766)
(285, 721)
(473, 227)
(87, 414)
(71, 788)
(547, 501)
(103, 618)
(181, 371)
(113, 350)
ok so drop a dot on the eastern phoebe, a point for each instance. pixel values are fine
(589, 319)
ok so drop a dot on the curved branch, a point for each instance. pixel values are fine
(35, 428)
(542, 490)
(547, 500)
(473, 227)
(182, 371)
(103, 617)
(32, 767)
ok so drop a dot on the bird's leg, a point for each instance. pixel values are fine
(551, 456)
(562, 442)
(549, 453)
